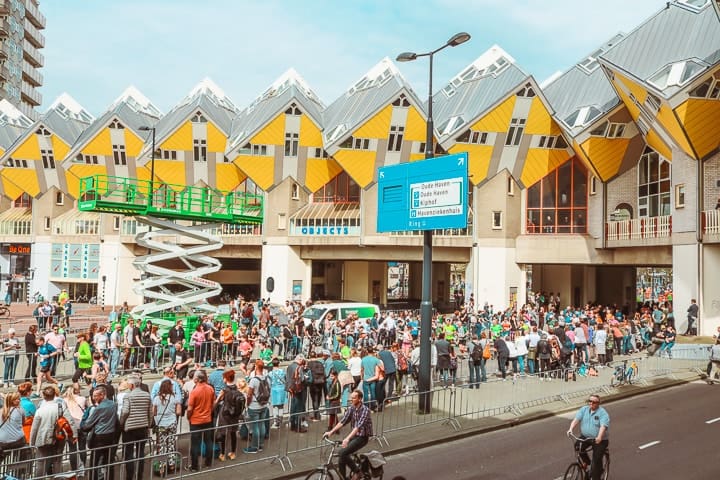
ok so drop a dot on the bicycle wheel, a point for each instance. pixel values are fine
(322, 474)
(606, 466)
(573, 472)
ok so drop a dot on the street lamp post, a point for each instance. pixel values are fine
(426, 303)
(146, 128)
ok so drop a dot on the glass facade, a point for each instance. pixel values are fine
(558, 202)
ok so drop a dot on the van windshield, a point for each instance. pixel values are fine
(313, 313)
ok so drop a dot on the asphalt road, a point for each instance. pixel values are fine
(679, 419)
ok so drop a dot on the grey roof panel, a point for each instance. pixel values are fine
(376, 89)
(581, 87)
(675, 33)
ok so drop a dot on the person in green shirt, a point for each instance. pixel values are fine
(83, 356)
(266, 353)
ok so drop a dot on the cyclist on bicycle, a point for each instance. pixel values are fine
(594, 425)
(358, 414)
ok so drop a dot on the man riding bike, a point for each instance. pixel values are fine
(358, 415)
(594, 425)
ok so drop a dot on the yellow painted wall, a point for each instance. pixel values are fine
(701, 119)
(606, 154)
(359, 164)
(415, 126)
(583, 158)
(271, 134)
(29, 149)
(654, 140)
(539, 121)
(181, 139)
(100, 145)
(539, 162)
(378, 126)
(667, 119)
(216, 139)
(133, 143)
(78, 171)
(636, 89)
(320, 171)
(260, 169)
(228, 176)
(24, 178)
(11, 190)
(310, 135)
(170, 171)
(60, 148)
(478, 160)
(414, 157)
(498, 120)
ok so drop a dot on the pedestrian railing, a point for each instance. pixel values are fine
(297, 438)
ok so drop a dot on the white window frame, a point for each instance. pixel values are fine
(59, 198)
(515, 132)
(47, 223)
(615, 130)
(116, 222)
(593, 184)
(395, 138)
(295, 191)
(510, 186)
(497, 220)
(292, 142)
(282, 221)
(680, 195)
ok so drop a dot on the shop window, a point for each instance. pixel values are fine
(653, 185)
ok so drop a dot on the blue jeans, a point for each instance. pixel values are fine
(114, 360)
(172, 350)
(667, 347)
(475, 377)
(155, 356)
(257, 419)
(483, 370)
(369, 394)
(10, 365)
(297, 409)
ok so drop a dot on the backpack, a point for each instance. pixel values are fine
(487, 353)
(318, 372)
(263, 391)
(402, 363)
(477, 354)
(233, 403)
(295, 385)
(287, 333)
(63, 429)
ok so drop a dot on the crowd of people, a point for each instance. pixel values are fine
(240, 384)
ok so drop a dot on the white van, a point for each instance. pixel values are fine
(319, 312)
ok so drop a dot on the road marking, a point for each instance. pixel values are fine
(648, 445)
(713, 420)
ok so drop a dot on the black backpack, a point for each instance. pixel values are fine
(263, 391)
(477, 354)
(233, 403)
(318, 372)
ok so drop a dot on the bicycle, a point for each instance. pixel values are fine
(4, 310)
(331, 471)
(578, 470)
(624, 374)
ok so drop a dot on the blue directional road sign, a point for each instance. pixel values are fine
(423, 195)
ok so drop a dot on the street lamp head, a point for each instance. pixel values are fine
(406, 57)
(145, 128)
(458, 39)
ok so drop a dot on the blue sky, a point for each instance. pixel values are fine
(95, 49)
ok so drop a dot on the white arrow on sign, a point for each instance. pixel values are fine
(382, 174)
(461, 161)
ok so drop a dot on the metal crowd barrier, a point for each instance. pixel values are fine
(460, 406)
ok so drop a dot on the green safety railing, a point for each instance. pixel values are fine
(130, 196)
